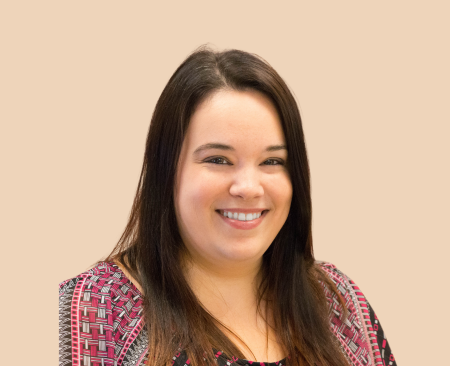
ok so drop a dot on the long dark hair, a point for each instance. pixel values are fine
(150, 247)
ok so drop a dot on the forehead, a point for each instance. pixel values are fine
(235, 117)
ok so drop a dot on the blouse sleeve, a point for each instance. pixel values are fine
(86, 321)
(361, 335)
(100, 319)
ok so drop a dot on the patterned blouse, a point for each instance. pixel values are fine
(101, 323)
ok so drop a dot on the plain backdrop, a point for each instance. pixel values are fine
(78, 84)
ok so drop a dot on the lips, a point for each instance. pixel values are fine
(243, 225)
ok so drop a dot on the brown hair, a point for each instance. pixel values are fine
(150, 246)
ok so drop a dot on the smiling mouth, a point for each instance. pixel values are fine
(240, 216)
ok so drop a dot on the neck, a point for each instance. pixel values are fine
(225, 289)
(230, 296)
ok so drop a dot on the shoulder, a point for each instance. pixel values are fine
(360, 333)
(355, 301)
(101, 272)
(343, 283)
(104, 279)
(333, 272)
(105, 283)
(353, 296)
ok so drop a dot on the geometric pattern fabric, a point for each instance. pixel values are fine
(101, 323)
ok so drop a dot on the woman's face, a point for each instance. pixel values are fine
(233, 160)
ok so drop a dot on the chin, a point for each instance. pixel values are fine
(242, 254)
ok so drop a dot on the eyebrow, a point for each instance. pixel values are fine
(219, 146)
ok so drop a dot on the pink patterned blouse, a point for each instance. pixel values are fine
(101, 324)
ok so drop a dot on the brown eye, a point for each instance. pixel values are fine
(274, 162)
(218, 160)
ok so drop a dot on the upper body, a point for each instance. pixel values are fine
(100, 322)
(220, 240)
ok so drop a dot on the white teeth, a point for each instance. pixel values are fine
(242, 216)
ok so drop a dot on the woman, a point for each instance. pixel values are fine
(216, 263)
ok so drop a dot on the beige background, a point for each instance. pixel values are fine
(79, 81)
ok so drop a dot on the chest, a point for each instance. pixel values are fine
(256, 339)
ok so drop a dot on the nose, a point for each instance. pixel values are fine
(247, 184)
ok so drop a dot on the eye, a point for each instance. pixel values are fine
(217, 160)
(222, 161)
(274, 162)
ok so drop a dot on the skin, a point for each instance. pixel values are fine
(221, 261)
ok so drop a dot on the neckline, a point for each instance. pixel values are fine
(243, 361)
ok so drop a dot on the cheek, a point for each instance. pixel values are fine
(288, 192)
(281, 192)
(198, 195)
(196, 201)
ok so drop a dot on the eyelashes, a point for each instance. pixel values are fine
(222, 161)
